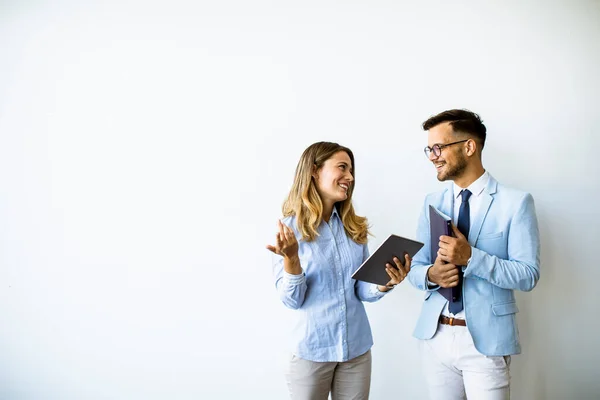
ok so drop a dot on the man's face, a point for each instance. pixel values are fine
(452, 162)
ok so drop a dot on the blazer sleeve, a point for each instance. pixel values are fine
(422, 260)
(521, 271)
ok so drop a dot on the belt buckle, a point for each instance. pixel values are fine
(451, 321)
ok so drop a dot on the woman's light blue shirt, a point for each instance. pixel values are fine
(331, 321)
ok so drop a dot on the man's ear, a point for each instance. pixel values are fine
(471, 147)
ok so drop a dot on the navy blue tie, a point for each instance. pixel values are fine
(464, 223)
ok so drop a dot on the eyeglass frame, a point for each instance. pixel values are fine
(428, 150)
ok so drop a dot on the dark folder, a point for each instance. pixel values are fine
(373, 269)
(440, 224)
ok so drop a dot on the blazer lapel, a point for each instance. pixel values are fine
(447, 206)
(486, 202)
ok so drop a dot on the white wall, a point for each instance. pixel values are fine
(146, 148)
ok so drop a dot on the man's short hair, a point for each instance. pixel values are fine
(461, 121)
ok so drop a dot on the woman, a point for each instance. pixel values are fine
(322, 242)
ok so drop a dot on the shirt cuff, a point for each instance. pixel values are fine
(430, 285)
(291, 279)
(464, 267)
(376, 292)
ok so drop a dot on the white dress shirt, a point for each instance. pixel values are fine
(476, 189)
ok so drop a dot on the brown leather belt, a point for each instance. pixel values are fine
(452, 321)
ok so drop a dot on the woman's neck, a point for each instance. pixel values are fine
(327, 211)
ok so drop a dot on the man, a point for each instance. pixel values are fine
(467, 339)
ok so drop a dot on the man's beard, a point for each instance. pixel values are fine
(455, 171)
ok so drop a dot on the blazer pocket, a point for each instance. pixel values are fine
(486, 236)
(505, 308)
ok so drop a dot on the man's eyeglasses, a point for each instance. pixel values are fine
(436, 149)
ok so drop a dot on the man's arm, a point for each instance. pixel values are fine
(521, 271)
(422, 260)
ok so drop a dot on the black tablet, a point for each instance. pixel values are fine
(373, 269)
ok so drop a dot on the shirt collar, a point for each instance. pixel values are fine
(334, 213)
(476, 188)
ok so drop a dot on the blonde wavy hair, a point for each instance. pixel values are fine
(304, 201)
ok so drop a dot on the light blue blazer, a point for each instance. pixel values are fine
(505, 256)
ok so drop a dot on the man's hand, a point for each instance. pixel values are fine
(443, 274)
(454, 250)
